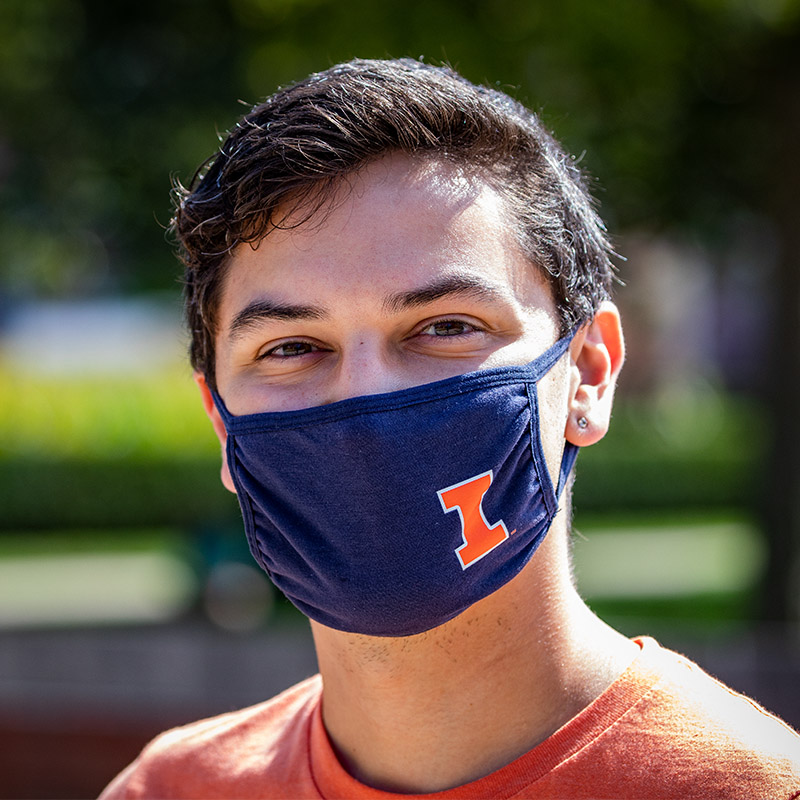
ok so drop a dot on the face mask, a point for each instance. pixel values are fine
(391, 514)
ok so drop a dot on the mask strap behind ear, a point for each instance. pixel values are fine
(221, 407)
(543, 364)
(567, 463)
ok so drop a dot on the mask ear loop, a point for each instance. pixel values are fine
(568, 459)
(222, 408)
(543, 365)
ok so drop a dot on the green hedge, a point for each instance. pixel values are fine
(123, 493)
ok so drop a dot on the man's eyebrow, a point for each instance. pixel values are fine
(260, 310)
(455, 285)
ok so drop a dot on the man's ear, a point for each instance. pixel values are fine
(597, 353)
(219, 428)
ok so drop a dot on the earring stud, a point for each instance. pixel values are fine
(583, 423)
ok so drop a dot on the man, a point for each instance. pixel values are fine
(398, 293)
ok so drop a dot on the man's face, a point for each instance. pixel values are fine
(412, 277)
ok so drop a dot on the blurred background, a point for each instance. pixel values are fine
(127, 598)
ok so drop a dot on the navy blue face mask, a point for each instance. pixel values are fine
(391, 514)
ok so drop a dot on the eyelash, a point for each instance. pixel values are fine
(455, 321)
(271, 352)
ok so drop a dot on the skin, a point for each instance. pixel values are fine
(413, 276)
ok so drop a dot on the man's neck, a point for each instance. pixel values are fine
(429, 712)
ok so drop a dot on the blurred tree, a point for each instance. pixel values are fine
(103, 101)
(779, 91)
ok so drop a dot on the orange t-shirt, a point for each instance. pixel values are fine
(664, 729)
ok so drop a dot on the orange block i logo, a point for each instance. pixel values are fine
(479, 537)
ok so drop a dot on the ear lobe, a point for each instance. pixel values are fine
(598, 352)
(219, 428)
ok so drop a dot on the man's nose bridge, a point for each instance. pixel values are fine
(364, 369)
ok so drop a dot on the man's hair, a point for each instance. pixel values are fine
(289, 154)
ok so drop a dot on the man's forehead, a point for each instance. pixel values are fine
(398, 200)
(427, 180)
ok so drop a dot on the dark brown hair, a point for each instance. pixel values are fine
(289, 154)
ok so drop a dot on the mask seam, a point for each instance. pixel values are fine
(287, 424)
(248, 514)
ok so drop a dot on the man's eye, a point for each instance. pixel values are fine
(290, 349)
(447, 327)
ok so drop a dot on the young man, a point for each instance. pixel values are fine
(398, 294)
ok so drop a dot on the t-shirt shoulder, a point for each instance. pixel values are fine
(679, 734)
(244, 744)
(718, 731)
(664, 730)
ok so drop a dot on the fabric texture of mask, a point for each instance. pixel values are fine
(391, 514)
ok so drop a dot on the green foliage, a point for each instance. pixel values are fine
(57, 543)
(107, 452)
(103, 102)
(710, 616)
(697, 450)
(143, 417)
(42, 494)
